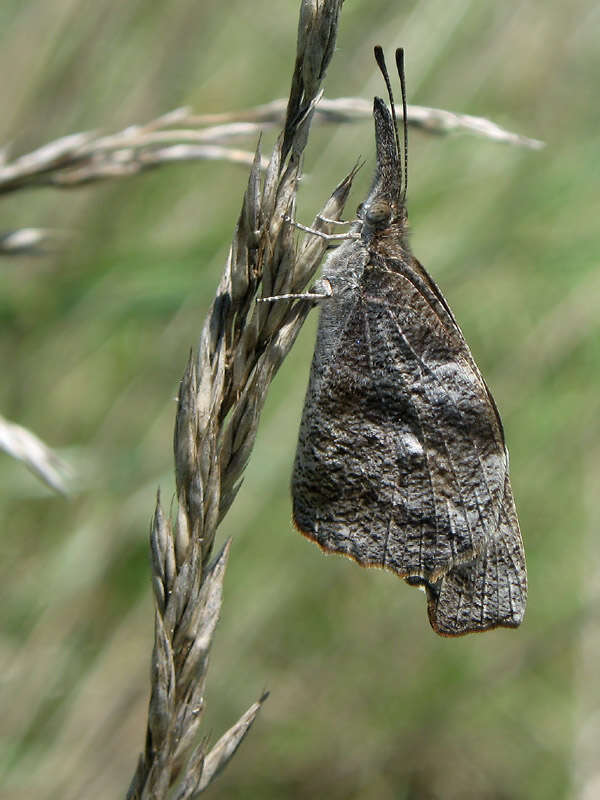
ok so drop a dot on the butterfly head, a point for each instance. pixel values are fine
(385, 207)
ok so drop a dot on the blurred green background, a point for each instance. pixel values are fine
(366, 701)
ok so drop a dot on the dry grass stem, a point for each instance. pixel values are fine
(80, 158)
(30, 241)
(181, 135)
(221, 397)
(37, 456)
(349, 109)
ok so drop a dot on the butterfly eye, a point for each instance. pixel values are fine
(379, 213)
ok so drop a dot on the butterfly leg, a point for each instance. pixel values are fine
(328, 237)
(335, 221)
(321, 290)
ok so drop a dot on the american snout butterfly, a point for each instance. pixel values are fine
(401, 461)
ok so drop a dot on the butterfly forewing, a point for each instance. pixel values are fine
(409, 472)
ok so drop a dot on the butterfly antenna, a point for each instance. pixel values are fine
(381, 64)
(400, 66)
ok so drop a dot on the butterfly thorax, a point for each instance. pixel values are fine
(384, 231)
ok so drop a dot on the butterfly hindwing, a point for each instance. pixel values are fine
(490, 591)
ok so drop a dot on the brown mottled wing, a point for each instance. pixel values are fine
(401, 460)
(490, 591)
